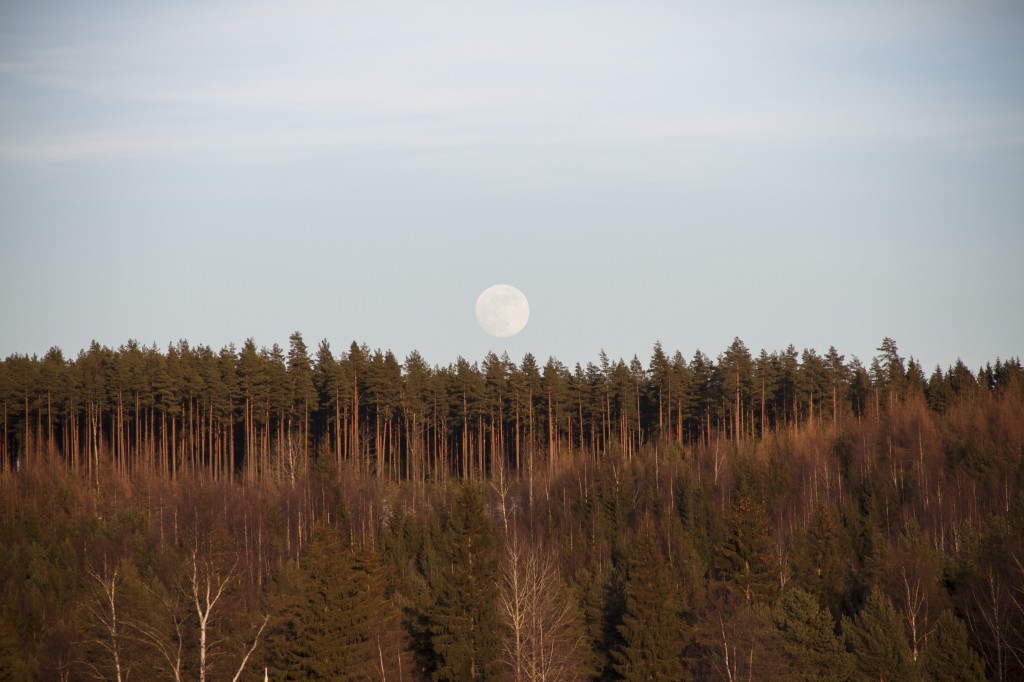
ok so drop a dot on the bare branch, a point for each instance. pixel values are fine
(255, 643)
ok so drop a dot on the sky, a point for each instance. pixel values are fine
(800, 173)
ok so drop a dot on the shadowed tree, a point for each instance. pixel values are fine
(337, 623)
(822, 556)
(948, 656)
(806, 638)
(745, 558)
(876, 640)
(652, 627)
(465, 627)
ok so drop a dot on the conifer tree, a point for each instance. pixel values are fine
(15, 663)
(337, 623)
(592, 587)
(303, 392)
(821, 557)
(807, 640)
(465, 626)
(948, 657)
(876, 640)
(651, 627)
(744, 557)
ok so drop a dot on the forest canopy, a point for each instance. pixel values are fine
(201, 514)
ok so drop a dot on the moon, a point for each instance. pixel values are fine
(502, 310)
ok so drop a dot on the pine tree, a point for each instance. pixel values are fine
(876, 640)
(303, 392)
(735, 374)
(465, 625)
(651, 628)
(807, 640)
(948, 657)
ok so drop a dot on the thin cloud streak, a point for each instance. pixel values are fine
(339, 81)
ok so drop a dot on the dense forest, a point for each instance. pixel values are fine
(247, 513)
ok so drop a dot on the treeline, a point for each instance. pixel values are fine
(201, 515)
(261, 412)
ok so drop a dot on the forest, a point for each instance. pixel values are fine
(260, 513)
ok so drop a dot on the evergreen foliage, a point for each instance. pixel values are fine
(745, 557)
(337, 623)
(822, 557)
(876, 638)
(273, 478)
(807, 640)
(651, 630)
(465, 626)
(948, 656)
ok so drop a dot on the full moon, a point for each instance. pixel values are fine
(502, 310)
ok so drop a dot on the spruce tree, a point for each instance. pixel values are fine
(821, 557)
(592, 589)
(15, 658)
(744, 557)
(651, 628)
(877, 641)
(807, 640)
(948, 657)
(303, 643)
(465, 626)
(337, 622)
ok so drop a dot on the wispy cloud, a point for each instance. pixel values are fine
(254, 82)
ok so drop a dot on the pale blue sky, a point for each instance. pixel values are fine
(788, 172)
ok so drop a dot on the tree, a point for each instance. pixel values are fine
(744, 557)
(838, 378)
(209, 578)
(660, 371)
(337, 623)
(890, 371)
(554, 384)
(948, 657)
(938, 391)
(813, 383)
(15, 661)
(822, 556)
(735, 368)
(104, 614)
(807, 640)
(465, 625)
(303, 391)
(877, 641)
(652, 625)
(544, 636)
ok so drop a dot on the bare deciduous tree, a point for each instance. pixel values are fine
(544, 635)
(989, 621)
(914, 607)
(104, 612)
(207, 583)
(152, 631)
